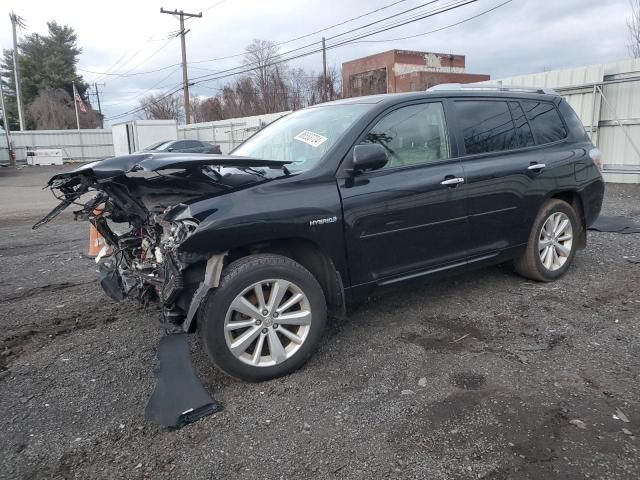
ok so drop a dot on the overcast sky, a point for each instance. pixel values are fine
(118, 36)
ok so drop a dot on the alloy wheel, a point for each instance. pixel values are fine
(555, 241)
(267, 322)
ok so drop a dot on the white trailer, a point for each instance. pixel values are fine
(136, 135)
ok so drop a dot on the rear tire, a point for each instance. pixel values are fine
(552, 243)
(264, 320)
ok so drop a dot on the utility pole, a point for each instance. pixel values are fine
(185, 78)
(17, 21)
(324, 71)
(7, 131)
(95, 85)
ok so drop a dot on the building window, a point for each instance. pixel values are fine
(368, 83)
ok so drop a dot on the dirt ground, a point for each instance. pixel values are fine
(481, 376)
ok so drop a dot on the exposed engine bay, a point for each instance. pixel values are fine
(140, 206)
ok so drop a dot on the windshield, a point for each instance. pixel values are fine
(159, 145)
(302, 137)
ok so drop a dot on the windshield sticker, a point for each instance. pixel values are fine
(311, 138)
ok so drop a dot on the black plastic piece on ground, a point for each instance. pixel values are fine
(615, 225)
(178, 397)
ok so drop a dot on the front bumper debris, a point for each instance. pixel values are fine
(178, 397)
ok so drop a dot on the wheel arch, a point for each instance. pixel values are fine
(574, 199)
(310, 256)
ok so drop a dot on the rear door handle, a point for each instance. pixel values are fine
(452, 182)
(536, 167)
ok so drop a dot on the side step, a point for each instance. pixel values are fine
(178, 397)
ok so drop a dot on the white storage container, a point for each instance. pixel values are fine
(52, 156)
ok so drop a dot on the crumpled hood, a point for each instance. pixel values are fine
(153, 162)
(137, 195)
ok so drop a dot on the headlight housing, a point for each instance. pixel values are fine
(183, 229)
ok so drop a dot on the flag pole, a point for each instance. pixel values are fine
(75, 103)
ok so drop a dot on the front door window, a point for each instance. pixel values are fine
(412, 135)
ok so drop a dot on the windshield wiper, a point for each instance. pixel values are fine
(253, 170)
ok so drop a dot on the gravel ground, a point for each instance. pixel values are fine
(481, 376)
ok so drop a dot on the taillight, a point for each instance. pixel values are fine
(596, 156)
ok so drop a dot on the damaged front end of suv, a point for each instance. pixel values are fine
(141, 208)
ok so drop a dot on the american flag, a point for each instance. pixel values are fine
(79, 102)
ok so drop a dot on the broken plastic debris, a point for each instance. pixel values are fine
(178, 397)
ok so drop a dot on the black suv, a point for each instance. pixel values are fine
(254, 249)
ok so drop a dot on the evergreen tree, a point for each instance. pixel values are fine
(47, 63)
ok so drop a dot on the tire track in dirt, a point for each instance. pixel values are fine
(54, 287)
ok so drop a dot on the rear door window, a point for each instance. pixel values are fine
(486, 126)
(545, 121)
(523, 130)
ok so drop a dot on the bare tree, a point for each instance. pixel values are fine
(206, 109)
(53, 109)
(268, 87)
(633, 24)
(260, 56)
(162, 107)
(334, 83)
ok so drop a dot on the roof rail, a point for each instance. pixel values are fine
(451, 87)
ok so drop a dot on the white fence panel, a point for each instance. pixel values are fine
(83, 146)
(89, 145)
(227, 133)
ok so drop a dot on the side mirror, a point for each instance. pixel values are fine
(170, 149)
(369, 157)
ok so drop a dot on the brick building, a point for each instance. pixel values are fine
(403, 71)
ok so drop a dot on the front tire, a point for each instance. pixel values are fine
(264, 320)
(552, 243)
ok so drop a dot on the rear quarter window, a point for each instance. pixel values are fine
(574, 124)
(545, 120)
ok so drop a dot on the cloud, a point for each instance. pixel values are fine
(522, 37)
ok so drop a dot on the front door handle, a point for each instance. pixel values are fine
(452, 182)
(536, 167)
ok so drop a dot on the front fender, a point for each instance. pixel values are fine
(269, 212)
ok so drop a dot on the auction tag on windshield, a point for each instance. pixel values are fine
(311, 138)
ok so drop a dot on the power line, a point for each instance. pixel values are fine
(401, 22)
(330, 27)
(137, 94)
(438, 29)
(230, 72)
(214, 5)
(305, 47)
(130, 74)
(118, 62)
(306, 35)
(290, 40)
(240, 54)
(142, 107)
(445, 8)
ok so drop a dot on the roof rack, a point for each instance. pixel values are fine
(489, 88)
